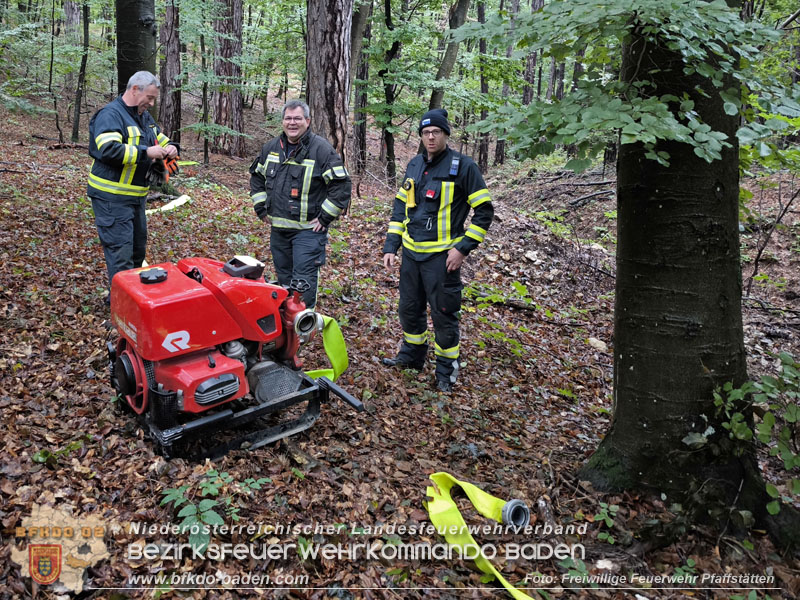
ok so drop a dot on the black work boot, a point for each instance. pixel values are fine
(444, 386)
(402, 364)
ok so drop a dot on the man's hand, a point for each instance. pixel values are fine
(317, 225)
(389, 261)
(172, 151)
(156, 152)
(265, 219)
(454, 260)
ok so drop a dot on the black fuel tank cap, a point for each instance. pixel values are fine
(156, 275)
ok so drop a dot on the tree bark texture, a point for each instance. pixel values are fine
(170, 76)
(76, 115)
(530, 63)
(136, 39)
(678, 321)
(387, 137)
(328, 25)
(483, 148)
(361, 99)
(456, 18)
(227, 97)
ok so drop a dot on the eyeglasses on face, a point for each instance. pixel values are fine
(294, 119)
(431, 132)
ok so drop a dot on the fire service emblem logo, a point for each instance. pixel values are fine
(45, 562)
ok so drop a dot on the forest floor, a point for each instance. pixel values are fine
(532, 403)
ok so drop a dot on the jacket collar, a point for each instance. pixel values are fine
(436, 159)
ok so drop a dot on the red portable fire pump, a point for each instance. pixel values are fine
(207, 346)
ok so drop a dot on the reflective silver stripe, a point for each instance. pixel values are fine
(309, 171)
(396, 227)
(416, 338)
(134, 133)
(479, 197)
(340, 171)
(427, 247)
(116, 188)
(259, 197)
(330, 208)
(446, 352)
(104, 138)
(162, 139)
(475, 232)
(289, 224)
(402, 195)
(131, 155)
(445, 208)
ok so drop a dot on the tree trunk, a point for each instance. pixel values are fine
(328, 68)
(76, 118)
(170, 115)
(204, 71)
(387, 137)
(483, 148)
(678, 320)
(530, 63)
(360, 21)
(361, 99)
(136, 39)
(227, 98)
(456, 18)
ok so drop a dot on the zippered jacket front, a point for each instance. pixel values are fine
(432, 205)
(295, 185)
(118, 141)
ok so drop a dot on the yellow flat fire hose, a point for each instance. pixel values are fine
(335, 348)
(446, 517)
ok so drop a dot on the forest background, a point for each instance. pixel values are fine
(703, 94)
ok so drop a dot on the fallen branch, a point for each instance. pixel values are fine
(578, 202)
(607, 182)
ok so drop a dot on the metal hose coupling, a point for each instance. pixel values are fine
(516, 513)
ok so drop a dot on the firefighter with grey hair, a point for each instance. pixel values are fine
(124, 141)
(299, 185)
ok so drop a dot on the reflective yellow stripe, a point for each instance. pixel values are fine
(479, 197)
(162, 139)
(428, 247)
(259, 197)
(446, 352)
(131, 155)
(475, 232)
(134, 133)
(416, 338)
(445, 208)
(289, 224)
(330, 208)
(340, 171)
(104, 138)
(396, 227)
(113, 187)
(402, 195)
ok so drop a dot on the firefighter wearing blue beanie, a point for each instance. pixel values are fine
(435, 118)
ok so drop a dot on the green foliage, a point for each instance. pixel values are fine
(710, 38)
(776, 400)
(216, 495)
(605, 516)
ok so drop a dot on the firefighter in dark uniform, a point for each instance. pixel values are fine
(439, 189)
(124, 140)
(300, 185)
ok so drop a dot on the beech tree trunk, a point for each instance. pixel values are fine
(530, 63)
(677, 315)
(170, 115)
(328, 24)
(389, 90)
(136, 39)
